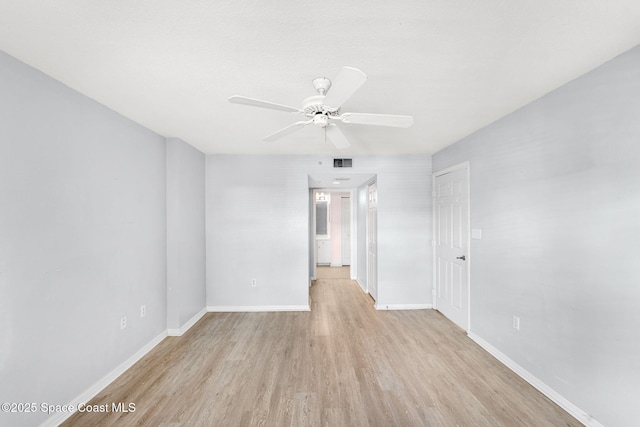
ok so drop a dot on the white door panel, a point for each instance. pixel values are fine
(345, 230)
(451, 229)
(372, 238)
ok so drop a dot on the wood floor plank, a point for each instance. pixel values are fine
(342, 364)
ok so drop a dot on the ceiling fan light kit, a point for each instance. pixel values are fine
(325, 107)
(321, 120)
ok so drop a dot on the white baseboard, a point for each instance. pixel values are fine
(404, 306)
(253, 308)
(184, 328)
(335, 265)
(361, 286)
(92, 391)
(556, 397)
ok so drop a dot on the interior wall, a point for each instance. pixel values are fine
(186, 277)
(404, 231)
(554, 189)
(257, 227)
(83, 243)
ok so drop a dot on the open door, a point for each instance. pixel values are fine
(312, 237)
(372, 241)
(345, 230)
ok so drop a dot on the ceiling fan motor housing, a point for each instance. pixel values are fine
(314, 107)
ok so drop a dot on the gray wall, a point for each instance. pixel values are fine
(555, 190)
(186, 281)
(404, 229)
(82, 240)
(257, 227)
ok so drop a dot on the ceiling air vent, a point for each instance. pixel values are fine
(342, 163)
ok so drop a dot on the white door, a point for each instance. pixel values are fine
(345, 230)
(372, 242)
(451, 229)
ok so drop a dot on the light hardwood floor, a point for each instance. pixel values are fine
(342, 364)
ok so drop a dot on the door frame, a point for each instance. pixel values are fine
(465, 166)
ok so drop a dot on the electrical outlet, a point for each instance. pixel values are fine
(143, 310)
(123, 322)
(254, 283)
(516, 323)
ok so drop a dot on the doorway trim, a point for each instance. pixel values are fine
(460, 166)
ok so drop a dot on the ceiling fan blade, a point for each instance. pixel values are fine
(377, 119)
(336, 136)
(286, 131)
(236, 99)
(345, 84)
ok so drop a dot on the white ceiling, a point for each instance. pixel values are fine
(455, 65)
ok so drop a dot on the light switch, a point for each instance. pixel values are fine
(476, 233)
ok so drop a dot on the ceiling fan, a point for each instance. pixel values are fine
(324, 108)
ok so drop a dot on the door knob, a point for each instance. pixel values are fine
(461, 257)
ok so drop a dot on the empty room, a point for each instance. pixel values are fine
(238, 213)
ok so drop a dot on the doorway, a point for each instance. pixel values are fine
(353, 211)
(451, 239)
